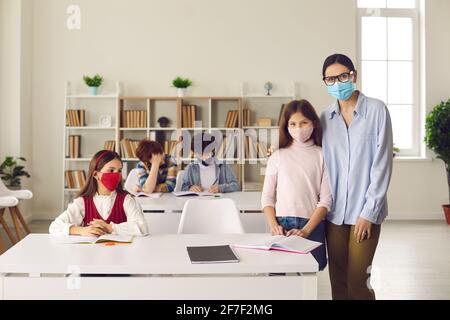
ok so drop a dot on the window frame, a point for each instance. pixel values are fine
(414, 14)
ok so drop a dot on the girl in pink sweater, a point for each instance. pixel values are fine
(296, 196)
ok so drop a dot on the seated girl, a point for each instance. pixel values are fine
(207, 174)
(157, 172)
(102, 206)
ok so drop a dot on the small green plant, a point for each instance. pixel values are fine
(95, 82)
(181, 83)
(11, 172)
(437, 136)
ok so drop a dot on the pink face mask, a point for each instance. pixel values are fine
(301, 134)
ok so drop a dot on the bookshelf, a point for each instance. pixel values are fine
(82, 119)
(134, 118)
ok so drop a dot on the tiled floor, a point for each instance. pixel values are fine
(412, 261)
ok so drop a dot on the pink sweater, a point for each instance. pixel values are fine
(296, 181)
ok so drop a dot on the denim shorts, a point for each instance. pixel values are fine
(318, 235)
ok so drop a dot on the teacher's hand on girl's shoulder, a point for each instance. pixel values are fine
(363, 229)
(299, 233)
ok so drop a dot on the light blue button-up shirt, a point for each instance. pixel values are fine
(359, 161)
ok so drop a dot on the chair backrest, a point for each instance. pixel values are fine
(179, 184)
(8, 202)
(132, 181)
(210, 216)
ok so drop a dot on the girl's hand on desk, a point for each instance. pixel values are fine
(102, 225)
(90, 231)
(276, 230)
(214, 189)
(195, 189)
(299, 233)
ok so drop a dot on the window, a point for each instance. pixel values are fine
(389, 70)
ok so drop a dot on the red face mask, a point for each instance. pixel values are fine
(111, 180)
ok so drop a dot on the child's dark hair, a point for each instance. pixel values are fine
(99, 160)
(146, 149)
(307, 110)
(338, 58)
(203, 142)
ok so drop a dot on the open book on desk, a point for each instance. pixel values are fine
(107, 238)
(291, 244)
(195, 194)
(155, 195)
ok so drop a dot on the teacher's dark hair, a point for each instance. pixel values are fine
(338, 58)
(307, 110)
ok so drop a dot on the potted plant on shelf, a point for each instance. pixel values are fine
(437, 138)
(11, 172)
(181, 84)
(93, 83)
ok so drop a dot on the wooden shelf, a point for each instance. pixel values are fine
(88, 96)
(91, 128)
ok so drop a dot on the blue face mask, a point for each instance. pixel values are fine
(342, 91)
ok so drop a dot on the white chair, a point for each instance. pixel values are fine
(132, 181)
(179, 184)
(6, 202)
(210, 216)
(16, 216)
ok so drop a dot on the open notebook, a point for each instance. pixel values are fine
(94, 240)
(190, 194)
(155, 195)
(282, 243)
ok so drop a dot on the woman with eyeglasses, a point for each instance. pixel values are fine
(358, 149)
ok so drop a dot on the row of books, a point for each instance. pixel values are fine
(247, 120)
(75, 179)
(188, 115)
(255, 149)
(134, 119)
(128, 148)
(74, 147)
(232, 120)
(169, 146)
(76, 118)
(110, 145)
(228, 148)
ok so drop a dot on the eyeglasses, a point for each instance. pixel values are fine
(343, 78)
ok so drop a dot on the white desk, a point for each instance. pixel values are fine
(249, 203)
(245, 201)
(159, 268)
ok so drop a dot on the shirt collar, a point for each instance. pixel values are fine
(361, 107)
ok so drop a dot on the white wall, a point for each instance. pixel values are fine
(219, 44)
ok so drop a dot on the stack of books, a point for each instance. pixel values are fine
(110, 145)
(188, 114)
(134, 119)
(74, 147)
(232, 120)
(75, 179)
(76, 118)
(128, 148)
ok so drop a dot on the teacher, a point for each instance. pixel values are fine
(358, 152)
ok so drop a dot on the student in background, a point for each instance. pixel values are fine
(157, 172)
(296, 194)
(102, 206)
(207, 174)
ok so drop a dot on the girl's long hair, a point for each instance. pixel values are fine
(307, 110)
(99, 160)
